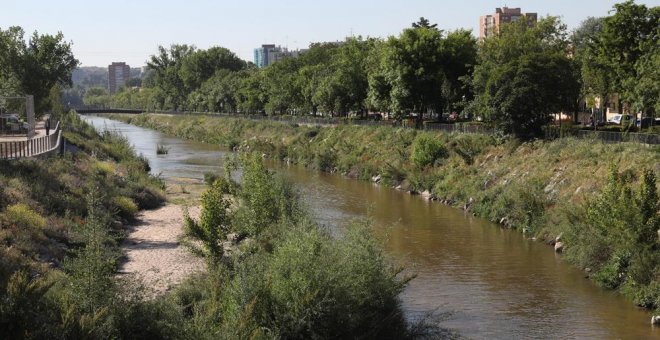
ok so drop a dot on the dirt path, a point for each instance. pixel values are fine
(153, 251)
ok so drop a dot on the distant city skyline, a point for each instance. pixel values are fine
(106, 32)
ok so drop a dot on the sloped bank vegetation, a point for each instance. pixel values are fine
(61, 220)
(599, 199)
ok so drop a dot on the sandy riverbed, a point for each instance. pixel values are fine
(153, 251)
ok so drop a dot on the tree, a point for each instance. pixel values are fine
(524, 93)
(36, 66)
(201, 65)
(646, 88)
(595, 80)
(524, 75)
(96, 97)
(166, 66)
(413, 69)
(459, 55)
(423, 23)
(627, 36)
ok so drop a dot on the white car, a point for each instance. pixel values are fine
(618, 119)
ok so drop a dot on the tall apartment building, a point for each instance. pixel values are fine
(269, 53)
(490, 24)
(118, 75)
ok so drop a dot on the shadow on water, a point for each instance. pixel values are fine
(496, 283)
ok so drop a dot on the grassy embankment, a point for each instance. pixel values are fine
(61, 220)
(545, 189)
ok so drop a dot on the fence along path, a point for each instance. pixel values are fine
(31, 147)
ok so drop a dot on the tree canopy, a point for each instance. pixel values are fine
(35, 66)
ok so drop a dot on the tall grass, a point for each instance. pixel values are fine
(162, 149)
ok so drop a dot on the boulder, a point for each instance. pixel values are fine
(467, 205)
(655, 320)
(232, 237)
(558, 238)
(376, 179)
(559, 247)
(404, 186)
(426, 195)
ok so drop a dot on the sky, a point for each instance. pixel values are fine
(106, 31)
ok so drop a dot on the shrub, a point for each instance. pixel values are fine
(214, 223)
(162, 149)
(426, 150)
(23, 216)
(648, 296)
(126, 207)
(326, 159)
(210, 177)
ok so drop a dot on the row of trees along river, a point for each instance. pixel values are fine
(515, 80)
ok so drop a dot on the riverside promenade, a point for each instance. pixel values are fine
(14, 146)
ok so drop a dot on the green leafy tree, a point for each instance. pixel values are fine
(524, 76)
(97, 97)
(627, 35)
(214, 223)
(413, 69)
(34, 67)
(166, 66)
(595, 79)
(423, 23)
(283, 91)
(646, 88)
(459, 56)
(201, 65)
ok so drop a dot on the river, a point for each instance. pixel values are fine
(492, 282)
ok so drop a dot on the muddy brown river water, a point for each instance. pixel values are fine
(492, 282)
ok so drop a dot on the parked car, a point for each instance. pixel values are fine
(619, 119)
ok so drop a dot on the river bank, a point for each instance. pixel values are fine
(62, 220)
(539, 188)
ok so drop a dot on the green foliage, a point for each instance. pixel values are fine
(648, 296)
(524, 76)
(126, 207)
(297, 280)
(214, 223)
(621, 224)
(22, 216)
(36, 66)
(427, 150)
(539, 186)
(23, 309)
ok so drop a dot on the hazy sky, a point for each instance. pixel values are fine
(118, 30)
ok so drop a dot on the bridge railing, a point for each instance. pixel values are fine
(31, 147)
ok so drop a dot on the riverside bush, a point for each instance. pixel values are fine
(618, 239)
(125, 206)
(426, 150)
(24, 217)
(291, 279)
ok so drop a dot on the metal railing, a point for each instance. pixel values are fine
(31, 147)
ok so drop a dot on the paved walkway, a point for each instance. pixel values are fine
(39, 131)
